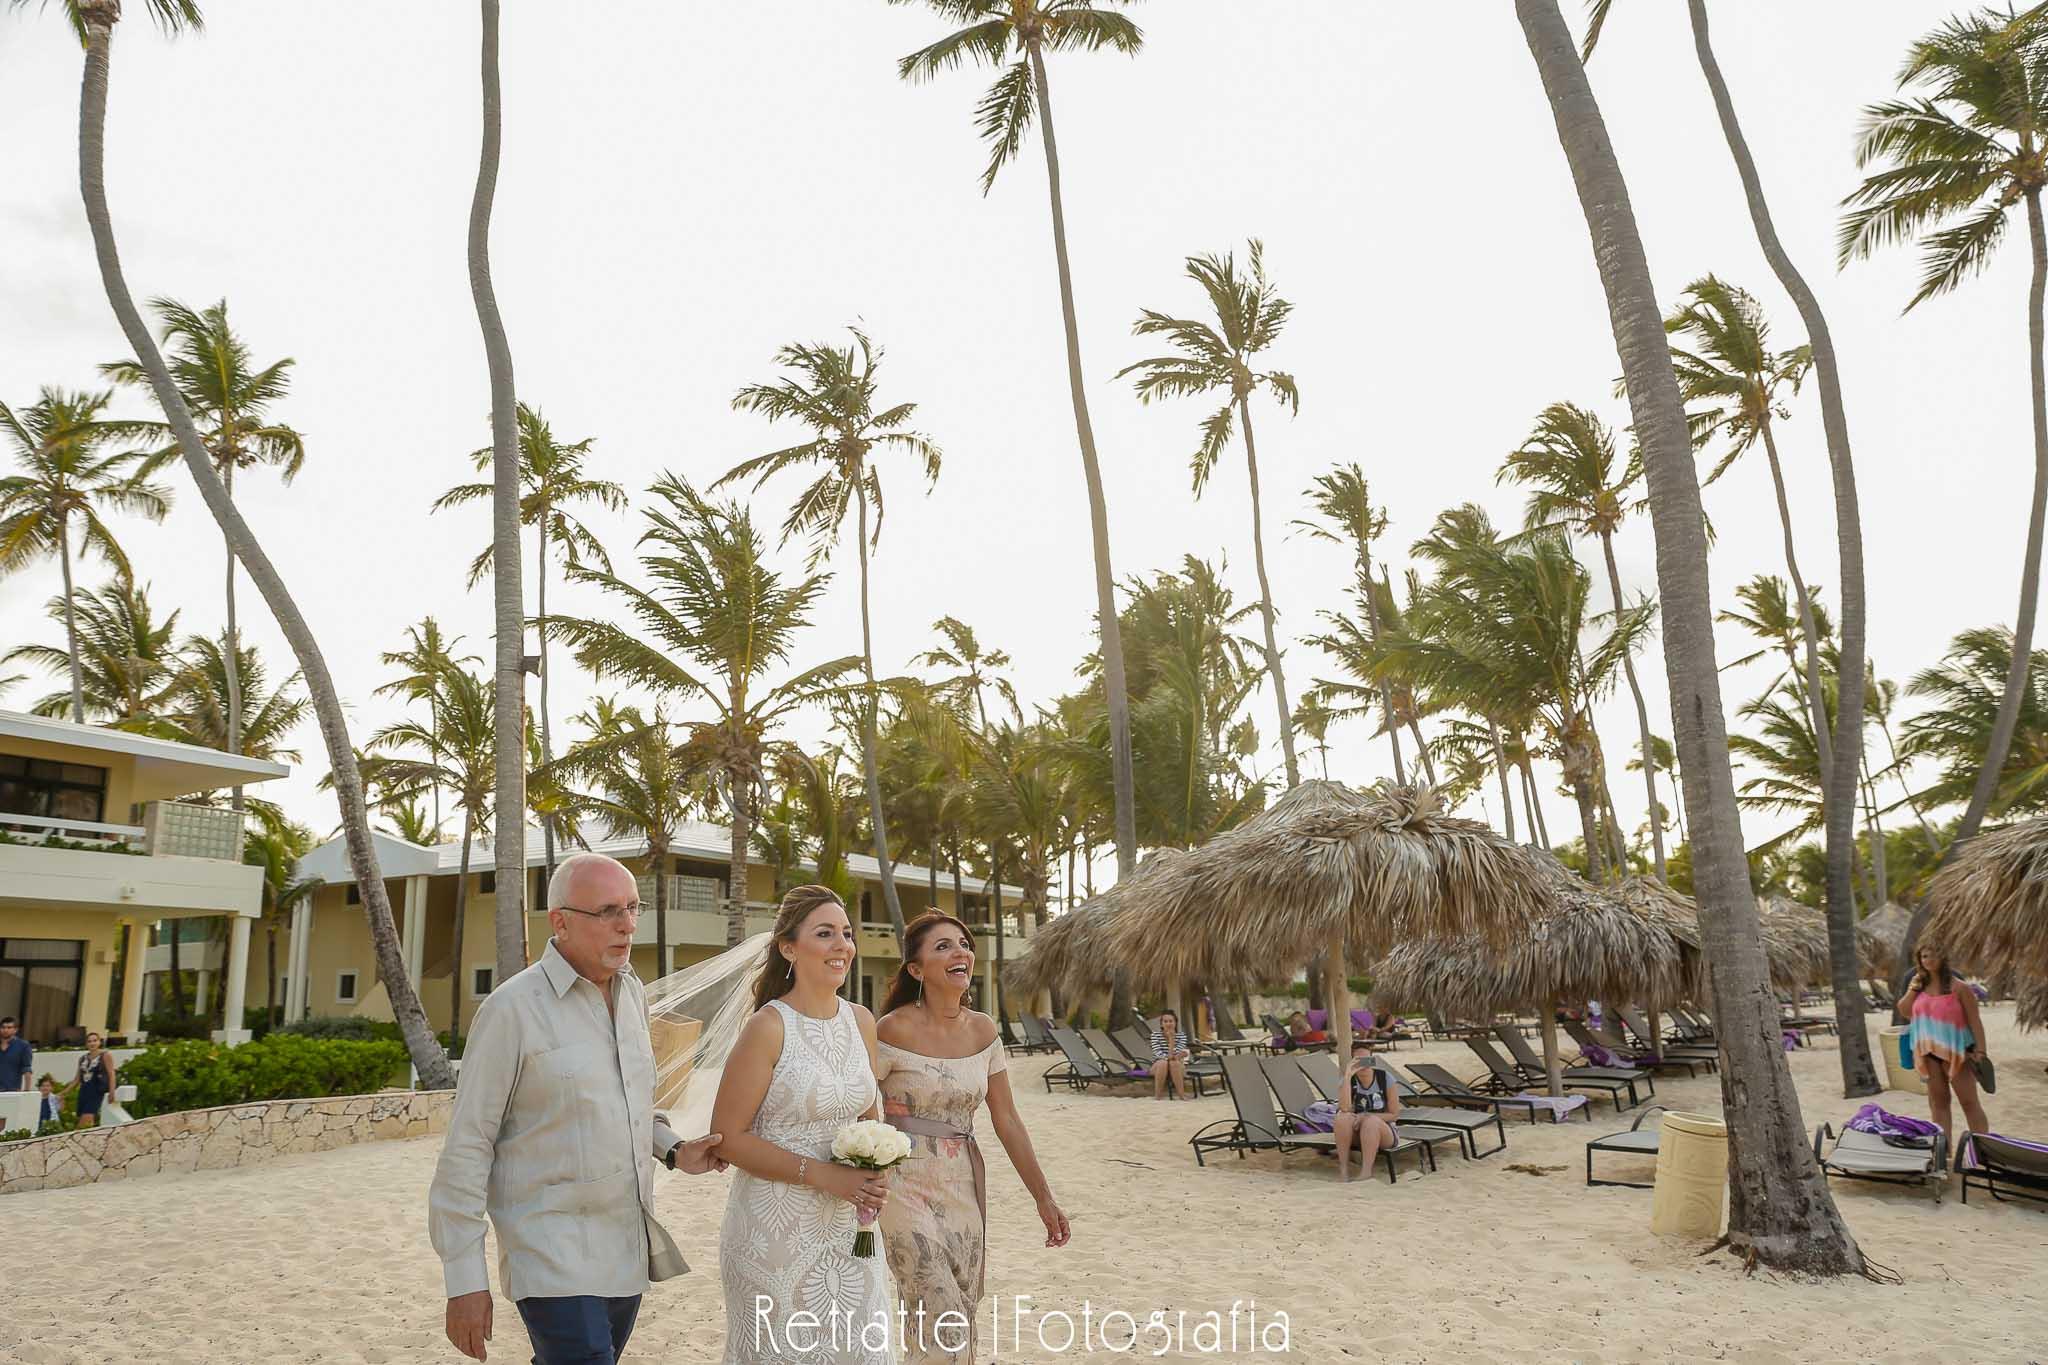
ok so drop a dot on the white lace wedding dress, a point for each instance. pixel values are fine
(793, 1245)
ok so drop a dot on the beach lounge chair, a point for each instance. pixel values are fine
(1037, 1034)
(1295, 1094)
(1668, 1051)
(1138, 1048)
(1692, 1025)
(1795, 1019)
(1858, 1155)
(1532, 1066)
(1441, 1087)
(1637, 1141)
(1430, 1111)
(1606, 1041)
(1081, 1068)
(2004, 1167)
(1508, 1079)
(1017, 1037)
(1260, 1126)
(1881, 994)
(1229, 1037)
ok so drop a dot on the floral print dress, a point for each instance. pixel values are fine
(934, 1224)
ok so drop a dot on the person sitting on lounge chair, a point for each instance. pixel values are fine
(1170, 1054)
(1299, 1034)
(1366, 1112)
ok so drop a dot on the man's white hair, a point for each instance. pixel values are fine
(565, 874)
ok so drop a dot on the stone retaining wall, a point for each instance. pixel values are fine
(214, 1139)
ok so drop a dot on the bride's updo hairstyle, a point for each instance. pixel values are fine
(905, 988)
(776, 978)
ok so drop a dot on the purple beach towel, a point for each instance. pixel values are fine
(1873, 1119)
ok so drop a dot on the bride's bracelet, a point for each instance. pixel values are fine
(801, 1164)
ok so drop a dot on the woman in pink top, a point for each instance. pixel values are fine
(1948, 1035)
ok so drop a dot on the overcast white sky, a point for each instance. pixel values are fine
(687, 186)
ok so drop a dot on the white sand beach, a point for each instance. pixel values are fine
(324, 1257)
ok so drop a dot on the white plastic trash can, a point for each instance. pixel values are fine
(1896, 1075)
(1692, 1177)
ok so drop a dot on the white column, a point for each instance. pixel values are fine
(238, 982)
(137, 935)
(415, 939)
(295, 962)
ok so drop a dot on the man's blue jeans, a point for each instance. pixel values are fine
(580, 1330)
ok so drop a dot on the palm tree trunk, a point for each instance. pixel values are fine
(736, 858)
(1422, 752)
(547, 739)
(461, 915)
(1858, 1070)
(71, 620)
(178, 1007)
(657, 856)
(870, 702)
(1532, 805)
(427, 1056)
(1780, 1209)
(1113, 685)
(1876, 835)
(508, 841)
(1251, 464)
(1500, 768)
(1816, 696)
(1589, 830)
(1372, 624)
(1635, 689)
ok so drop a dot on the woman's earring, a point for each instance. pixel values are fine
(920, 992)
(792, 969)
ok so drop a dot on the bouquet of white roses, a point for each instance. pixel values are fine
(872, 1146)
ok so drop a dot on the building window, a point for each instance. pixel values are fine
(345, 988)
(57, 791)
(480, 981)
(355, 894)
(487, 884)
(39, 980)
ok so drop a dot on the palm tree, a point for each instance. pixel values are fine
(832, 391)
(1344, 500)
(1666, 759)
(1313, 716)
(973, 668)
(276, 847)
(425, 656)
(1848, 513)
(229, 397)
(636, 779)
(508, 596)
(551, 480)
(1780, 1210)
(1579, 485)
(992, 30)
(1249, 315)
(126, 659)
(1964, 154)
(1954, 731)
(457, 749)
(67, 475)
(716, 622)
(94, 21)
(1352, 639)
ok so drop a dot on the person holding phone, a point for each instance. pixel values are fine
(1948, 1040)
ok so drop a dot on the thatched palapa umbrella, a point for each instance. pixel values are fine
(1881, 937)
(1326, 870)
(1795, 941)
(1074, 952)
(1589, 945)
(1988, 909)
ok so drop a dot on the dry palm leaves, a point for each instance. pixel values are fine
(1590, 945)
(1323, 864)
(1073, 951)
(1881, 937)
(1989, 907)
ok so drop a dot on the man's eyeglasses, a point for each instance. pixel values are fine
(611, 914)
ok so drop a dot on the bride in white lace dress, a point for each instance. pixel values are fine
(803, 1067)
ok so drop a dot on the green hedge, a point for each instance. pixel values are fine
(202, 1075)
(362, 1031)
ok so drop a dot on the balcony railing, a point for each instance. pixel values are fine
(41, 829)
(181, 830)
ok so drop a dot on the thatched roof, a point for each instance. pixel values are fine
(1989, 907)
(1323, 863)
(2032, 1002)
(1590, 945)
(1073, 952)
(1881, 937)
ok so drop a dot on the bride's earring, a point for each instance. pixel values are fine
(791, 974)
(920, 992)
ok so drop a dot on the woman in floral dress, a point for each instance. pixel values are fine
(939, 1062)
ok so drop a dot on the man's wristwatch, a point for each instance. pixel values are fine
(669, 1157)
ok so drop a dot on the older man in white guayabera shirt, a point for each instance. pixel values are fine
(555, 1137)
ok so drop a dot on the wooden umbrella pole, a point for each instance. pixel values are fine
(1553, 1060)
(1339, 995)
